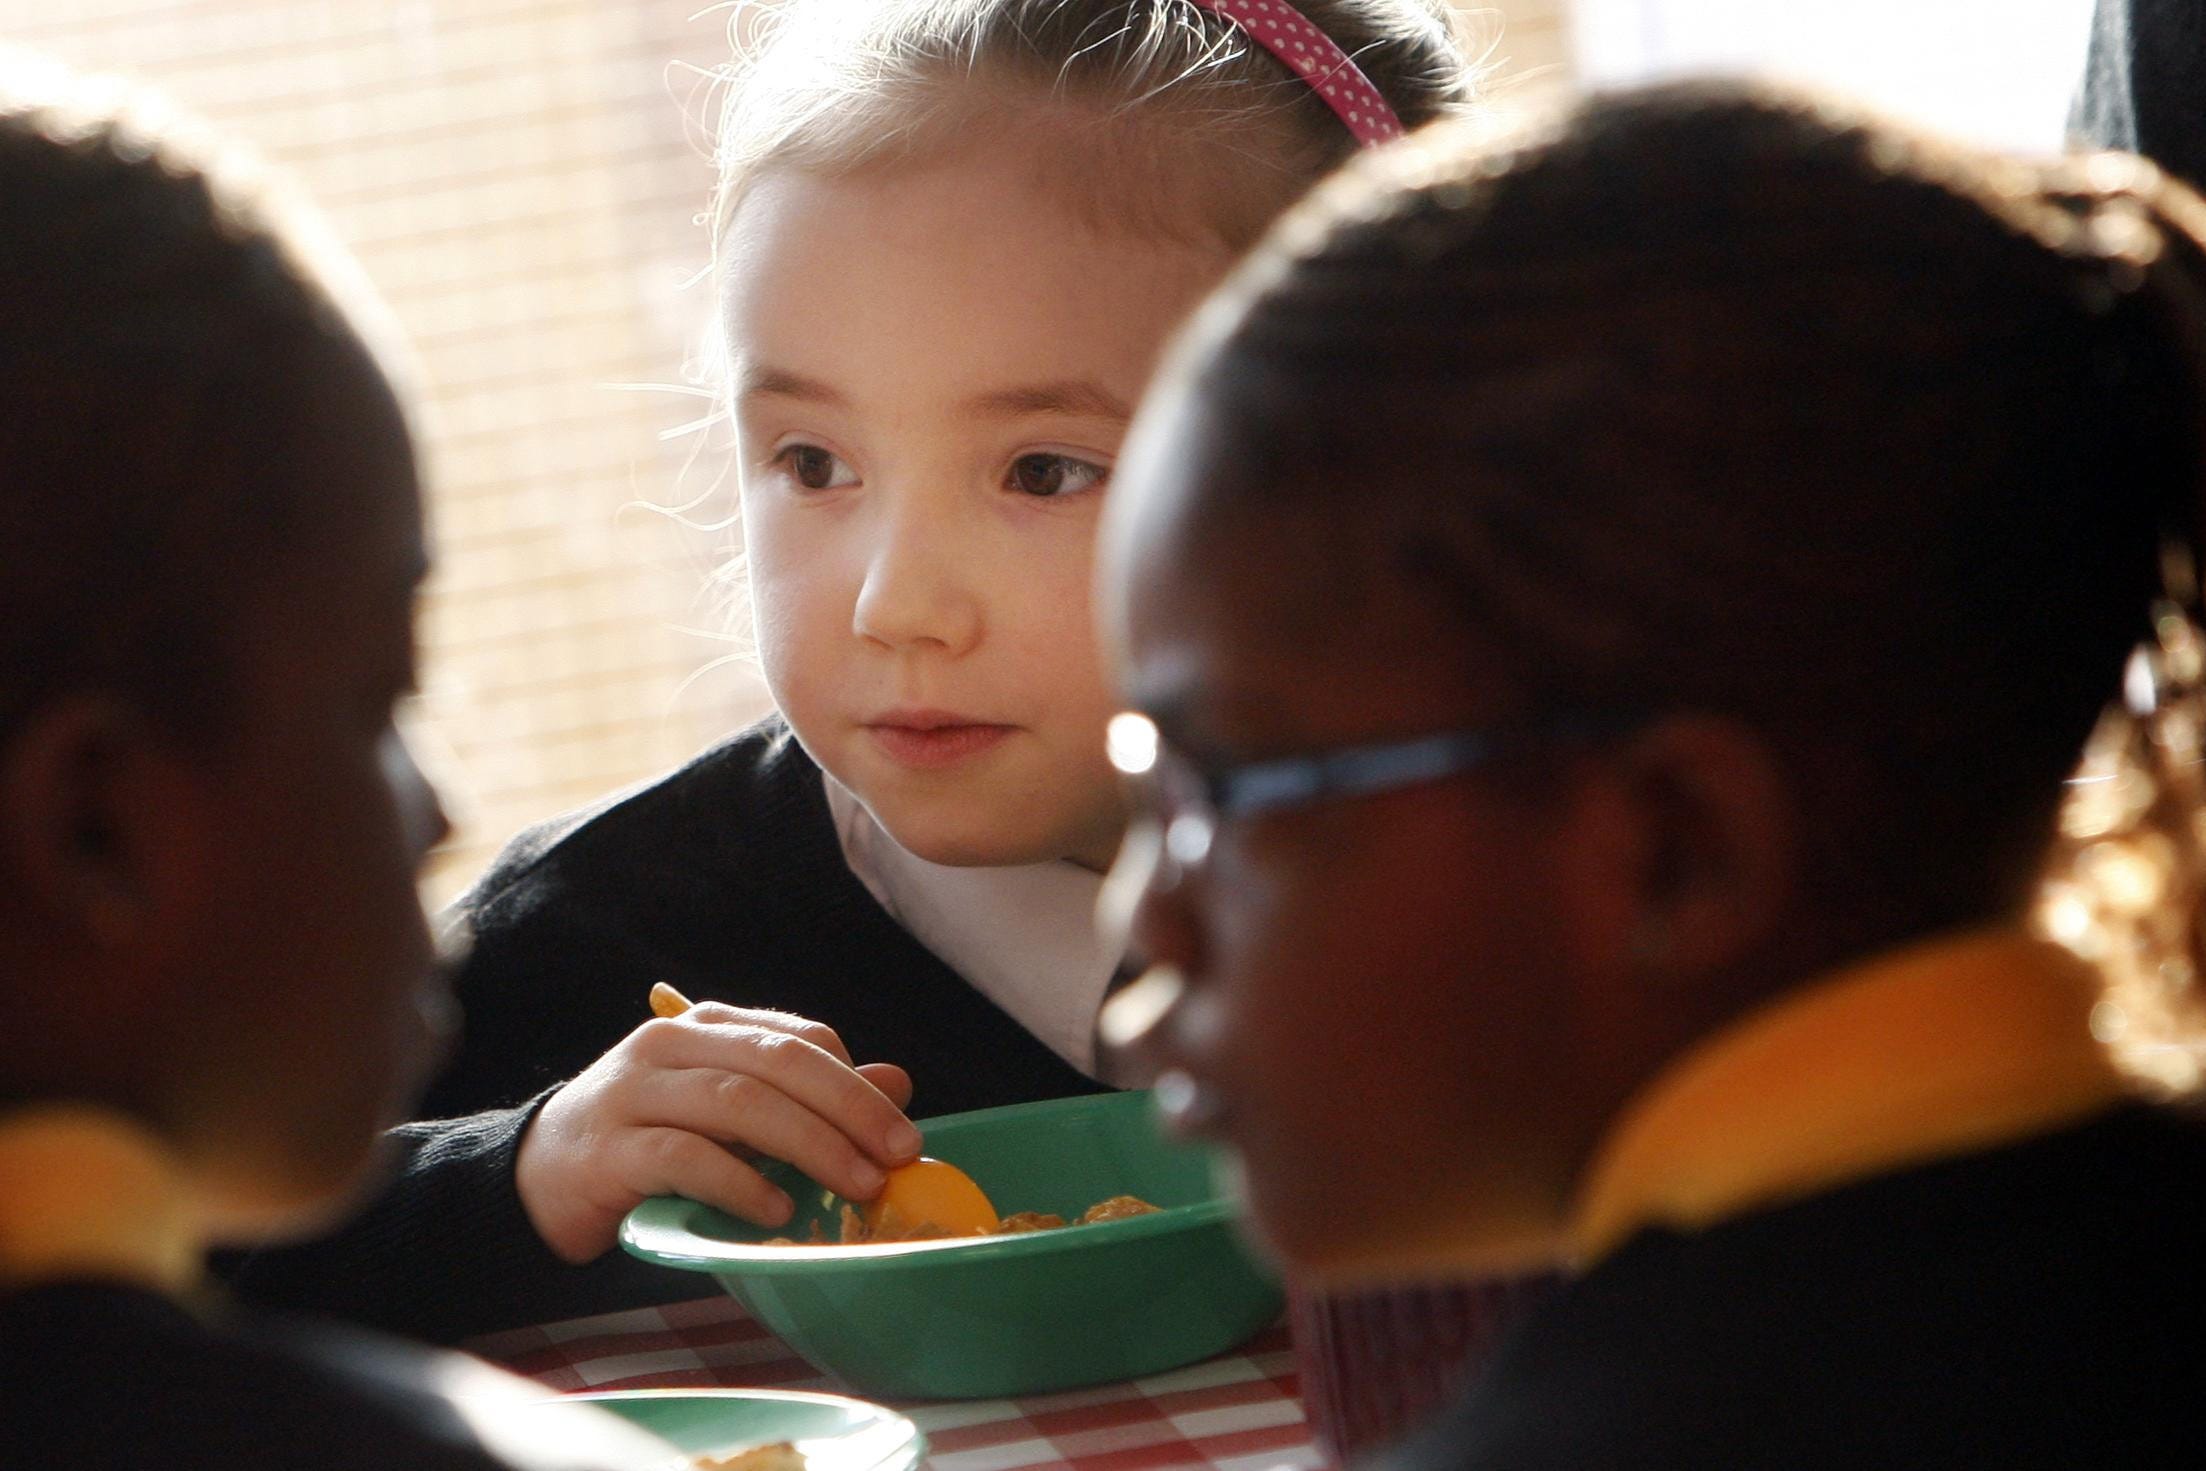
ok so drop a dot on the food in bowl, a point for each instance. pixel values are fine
(1117, 1208)
(922, 1200)
(929, 1200)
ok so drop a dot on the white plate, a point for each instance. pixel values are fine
(833, 1433)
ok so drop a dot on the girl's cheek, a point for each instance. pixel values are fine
(777, 620)
(1053, 596)
(777, 563)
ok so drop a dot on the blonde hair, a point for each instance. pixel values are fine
(1181, 124)
(840, 84)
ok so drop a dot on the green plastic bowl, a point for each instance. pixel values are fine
(987, 1317)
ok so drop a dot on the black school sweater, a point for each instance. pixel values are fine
(724, 879)
(98, 1376)
(2037, 1305)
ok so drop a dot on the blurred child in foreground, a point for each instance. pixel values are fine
(217, 979)
(1607, 622)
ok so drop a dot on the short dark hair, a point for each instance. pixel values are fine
(1709, 397)
(160, 323)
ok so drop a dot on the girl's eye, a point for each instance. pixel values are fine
(814, 468)
(1047, 476)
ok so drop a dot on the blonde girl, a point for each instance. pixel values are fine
(951, 236)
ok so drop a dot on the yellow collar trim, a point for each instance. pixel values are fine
(87, 1193)
(1936, 1050)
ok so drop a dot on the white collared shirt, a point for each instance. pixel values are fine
(1024, 936)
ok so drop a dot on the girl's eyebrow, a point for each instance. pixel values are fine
(1076, 398)
(779, 383)
(1073, 397)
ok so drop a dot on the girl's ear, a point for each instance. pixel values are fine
(80, 823)
(1719, 853)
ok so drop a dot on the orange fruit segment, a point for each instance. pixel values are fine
(929, 1194)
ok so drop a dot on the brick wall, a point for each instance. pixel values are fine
(521, 178)
(516, 177)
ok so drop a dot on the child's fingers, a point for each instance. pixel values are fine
(749, 1113)
(895, 1084)
(666, 1161)
(823, 1082)
(716, 1014)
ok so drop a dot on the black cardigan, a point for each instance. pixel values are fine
(96, 1376)
(2042, 1304)
(725, 879)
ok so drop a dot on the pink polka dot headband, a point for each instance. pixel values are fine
(1316, 58)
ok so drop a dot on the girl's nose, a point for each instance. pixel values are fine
(917, 592)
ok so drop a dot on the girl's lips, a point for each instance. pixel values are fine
(931, 747)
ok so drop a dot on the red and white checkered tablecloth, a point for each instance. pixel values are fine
(1238, 1412)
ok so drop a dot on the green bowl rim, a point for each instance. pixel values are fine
(724, 1391)
(658, 1230)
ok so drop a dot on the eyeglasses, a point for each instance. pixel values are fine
(1190, 800)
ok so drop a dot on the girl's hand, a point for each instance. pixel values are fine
(671, 1109)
